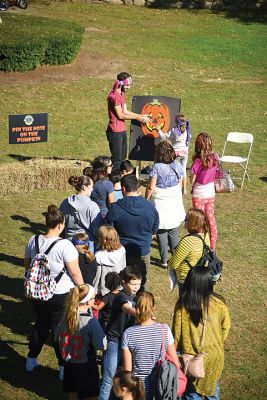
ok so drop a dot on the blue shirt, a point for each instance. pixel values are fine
(102, 188)
(166, 174)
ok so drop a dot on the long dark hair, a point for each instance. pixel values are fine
(197, 291)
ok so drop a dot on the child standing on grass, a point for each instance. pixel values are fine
(110, 257)
(122, 317)
(87, 261)
(203, 172)
(179, 137)
(104, 306)
(80, 336)
(126, 386)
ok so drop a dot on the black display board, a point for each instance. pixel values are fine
(28, 128)
(162, 111)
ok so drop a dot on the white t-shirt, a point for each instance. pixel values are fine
(62, 252)
(204, 191)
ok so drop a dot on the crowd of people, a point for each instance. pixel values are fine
(98, 244)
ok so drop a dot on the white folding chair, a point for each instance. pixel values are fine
(238, 137)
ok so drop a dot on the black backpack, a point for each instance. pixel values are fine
(209, 259)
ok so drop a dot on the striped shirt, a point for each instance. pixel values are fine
(190, 248)
(145, 342)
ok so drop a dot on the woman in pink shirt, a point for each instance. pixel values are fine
(203, 171)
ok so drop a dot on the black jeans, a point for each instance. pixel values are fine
(47, 316)
(118, 147)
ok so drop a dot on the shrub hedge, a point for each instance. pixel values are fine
(27, 41)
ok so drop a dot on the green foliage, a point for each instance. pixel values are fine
(27, 42)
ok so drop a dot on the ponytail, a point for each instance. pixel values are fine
(125, 379)
(144, 307)
(71, 313)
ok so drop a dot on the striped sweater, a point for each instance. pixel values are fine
(190, 248)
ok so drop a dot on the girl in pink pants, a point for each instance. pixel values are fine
(203, 171)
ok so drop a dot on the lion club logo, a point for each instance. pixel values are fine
(28, 120)
(160, 116)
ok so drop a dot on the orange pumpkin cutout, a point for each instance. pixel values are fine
(160, 116)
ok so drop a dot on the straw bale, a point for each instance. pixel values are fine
(43, 174)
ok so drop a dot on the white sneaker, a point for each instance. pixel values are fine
(31, 363)
(61, 373)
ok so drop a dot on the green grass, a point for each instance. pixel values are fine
(217, 66)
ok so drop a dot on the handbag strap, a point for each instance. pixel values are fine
(163, 350)
(176, 173)
(77, 218)
(204, 327)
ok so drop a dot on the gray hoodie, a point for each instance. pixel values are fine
(81, 215)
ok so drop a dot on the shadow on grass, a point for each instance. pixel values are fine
(16, 315)
(263, 178)
(43, 380)
(248, 17)
(258, 15)
(33, 227)
(11, 259)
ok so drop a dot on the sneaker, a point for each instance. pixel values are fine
(61, 373)
(31, 363)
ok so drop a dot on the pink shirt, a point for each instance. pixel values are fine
(115, 124)
(204, 175)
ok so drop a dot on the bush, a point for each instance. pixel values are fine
(27, 42)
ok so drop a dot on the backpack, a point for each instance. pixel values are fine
(38, 283)
(167, 381)
(209, 259)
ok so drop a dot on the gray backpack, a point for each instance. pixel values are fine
(164, 377)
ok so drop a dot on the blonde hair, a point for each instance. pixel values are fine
(77, 294)
(108, 238)
(84, 248)
(144, 307)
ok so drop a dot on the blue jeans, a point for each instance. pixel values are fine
(167, 237)
(112, 358)
(183, 162)
(191, 394)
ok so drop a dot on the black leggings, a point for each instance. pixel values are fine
(47, 316)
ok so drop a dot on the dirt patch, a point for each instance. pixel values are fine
(86, 64)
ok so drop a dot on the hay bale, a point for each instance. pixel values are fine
(42, 174)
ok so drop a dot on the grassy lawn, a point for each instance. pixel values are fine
(217, 66)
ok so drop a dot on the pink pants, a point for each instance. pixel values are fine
(207, 205)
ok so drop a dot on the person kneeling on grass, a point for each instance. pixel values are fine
(80, 336)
